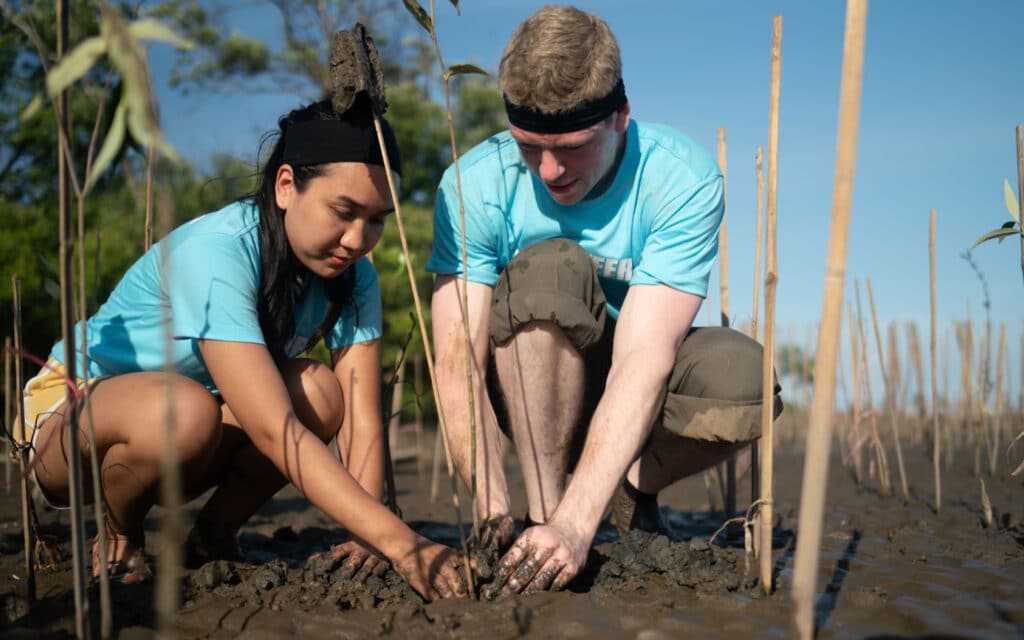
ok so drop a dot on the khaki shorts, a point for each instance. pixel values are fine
(44, 395)
(714, 391)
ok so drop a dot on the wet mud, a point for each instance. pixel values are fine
(887, 569)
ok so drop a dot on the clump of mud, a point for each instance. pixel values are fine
(629, 564)
(276, 586)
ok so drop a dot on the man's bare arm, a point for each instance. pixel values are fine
(450, 367)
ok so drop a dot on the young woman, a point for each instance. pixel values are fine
(248, 288)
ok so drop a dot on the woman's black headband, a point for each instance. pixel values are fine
(323, 141)
(582, 116)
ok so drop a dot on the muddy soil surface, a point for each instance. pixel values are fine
(888, 569)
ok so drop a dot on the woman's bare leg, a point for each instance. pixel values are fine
(128, 416)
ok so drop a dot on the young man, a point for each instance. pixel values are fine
(589, 240)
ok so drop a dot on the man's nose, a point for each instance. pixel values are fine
(551, 168)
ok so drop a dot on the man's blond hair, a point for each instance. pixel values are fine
(559, 58)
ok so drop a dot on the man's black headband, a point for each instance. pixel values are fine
(323, 141)
(585, 115)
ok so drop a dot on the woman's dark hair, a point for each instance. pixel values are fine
(281, 270)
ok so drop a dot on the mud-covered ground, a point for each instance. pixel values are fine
(888, 569)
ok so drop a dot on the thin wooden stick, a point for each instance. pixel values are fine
(67, 306)
(936, 434)
(770, 283)
(812, 500)
(147, 240)
(757, 242)
(428, 352)
(729, 468)
(880, 457)
(1020, 202)
(890, 396)
(9, 447)
(857, 453)
(997, 419)
(723, 237)
(172, 525)
(23, 457)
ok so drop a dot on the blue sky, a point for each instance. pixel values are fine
(943, 91)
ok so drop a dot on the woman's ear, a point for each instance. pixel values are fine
(284, 186)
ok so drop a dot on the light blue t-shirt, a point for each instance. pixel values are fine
(211, 287)
(657, 223)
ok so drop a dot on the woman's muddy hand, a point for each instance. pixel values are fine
(543, 558)
(354, 559)
(433, 570)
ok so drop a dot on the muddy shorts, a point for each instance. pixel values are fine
(44, 396)
(714, 390)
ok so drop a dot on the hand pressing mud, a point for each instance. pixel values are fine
(544, 557)
(433, 570)
(353, 560)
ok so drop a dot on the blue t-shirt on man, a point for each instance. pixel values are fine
(657, 223)
(210, 286)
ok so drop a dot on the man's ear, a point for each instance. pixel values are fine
(622, 118)
(284, 186)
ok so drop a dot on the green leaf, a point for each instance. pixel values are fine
(1011, 201)
(111, 145)
(31, 109)
(150, 29)
(998, 233)
(418, 12)
(1009, 225)
(455, 3)
(52, 287)
(75, 64)
(463, 69)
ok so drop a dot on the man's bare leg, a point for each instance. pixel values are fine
(542, 378)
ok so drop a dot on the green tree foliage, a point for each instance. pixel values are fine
(225, 61)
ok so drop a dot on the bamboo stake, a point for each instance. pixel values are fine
(1020, 203)
(22, 438)
(936, 434)
(890, 395)
(812, 500)
(880, 457)
(83, 629)
(770, 283)
(915, 357)
(997, 424)
(757, 242)
(729, 468)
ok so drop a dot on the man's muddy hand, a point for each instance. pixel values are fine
(543, 558)
(433, 570)
(499, 531)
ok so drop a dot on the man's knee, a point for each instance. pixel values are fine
(715, 390)
(552, 281)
